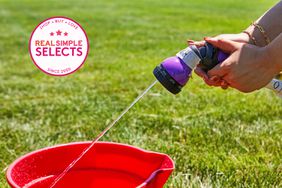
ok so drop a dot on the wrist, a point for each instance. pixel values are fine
(246, 38)
(268, 57)
(256, 35)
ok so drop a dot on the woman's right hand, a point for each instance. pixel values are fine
(216, 81)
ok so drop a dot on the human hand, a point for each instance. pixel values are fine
(214, 81)
(240, 37)
(248, 68)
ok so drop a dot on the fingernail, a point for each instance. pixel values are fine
(207, 82)
(215, 78)
(222, 83)
(210, 38)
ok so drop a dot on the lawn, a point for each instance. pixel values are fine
(217, 138)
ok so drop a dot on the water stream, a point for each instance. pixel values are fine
(70, 166)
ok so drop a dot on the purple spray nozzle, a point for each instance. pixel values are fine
(174, 72)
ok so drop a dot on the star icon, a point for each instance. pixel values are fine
(59, 33)
(66, 34)
(51, 34)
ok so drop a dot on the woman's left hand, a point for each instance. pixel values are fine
(248, 67)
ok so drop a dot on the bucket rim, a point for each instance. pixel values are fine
(12, 183)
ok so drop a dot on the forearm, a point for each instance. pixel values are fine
(271, 22)
(274, 55)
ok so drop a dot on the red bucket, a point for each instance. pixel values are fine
(107, 165)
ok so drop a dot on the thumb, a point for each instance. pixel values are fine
(226, 46)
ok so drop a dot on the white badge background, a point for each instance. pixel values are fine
(60, 63)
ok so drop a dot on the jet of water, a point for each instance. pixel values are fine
(70, 166)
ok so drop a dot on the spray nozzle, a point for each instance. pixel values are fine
(174, 72)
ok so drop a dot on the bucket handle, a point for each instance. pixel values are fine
(148, 180)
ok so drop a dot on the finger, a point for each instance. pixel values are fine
(190, 42)
(219, 70)
(200, 72)
(214, 81)
(209, 82)
(224, 84)
(199, 44)
(227, 46)
(241, 37)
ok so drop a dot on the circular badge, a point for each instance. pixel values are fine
(58, 46)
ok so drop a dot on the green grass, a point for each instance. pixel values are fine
(217, 138)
